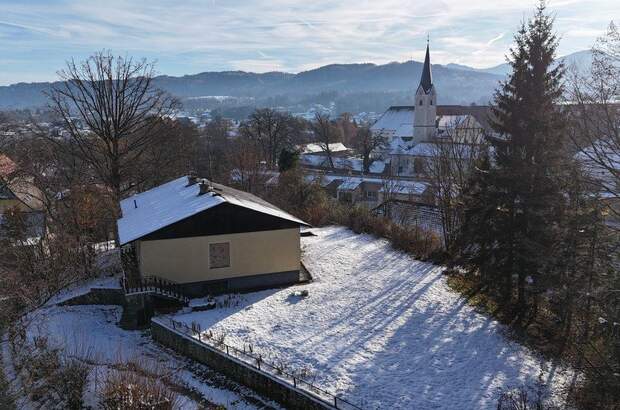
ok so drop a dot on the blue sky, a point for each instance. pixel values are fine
(191, 36)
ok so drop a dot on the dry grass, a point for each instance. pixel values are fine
(126, 389)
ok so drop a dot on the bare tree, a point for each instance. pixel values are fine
(348, 128)
(595, 97)
(109, 106)
(326, 133)
(247, 171)
(272, 130)
(367, 142)
(448, 167)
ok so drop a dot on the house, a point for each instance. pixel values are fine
(18, 193)
(208, 238)
(371, 191)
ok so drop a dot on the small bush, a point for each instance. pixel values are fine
(50, 375)
(524, 398)
(128, 390)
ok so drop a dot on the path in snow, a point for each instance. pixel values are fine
(382, 329)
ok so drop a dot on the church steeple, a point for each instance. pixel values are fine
(426, 82)
(425, 112)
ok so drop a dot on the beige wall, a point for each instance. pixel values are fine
(186, 260)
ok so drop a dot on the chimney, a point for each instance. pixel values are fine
(191, 179)
(205, 186)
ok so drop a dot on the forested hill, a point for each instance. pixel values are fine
(456, 84)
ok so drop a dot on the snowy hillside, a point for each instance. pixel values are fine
(92, 333)
(382, 329)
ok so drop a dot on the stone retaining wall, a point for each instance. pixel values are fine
(257, 380)
(98, 296)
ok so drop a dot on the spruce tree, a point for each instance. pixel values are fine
(523, 194)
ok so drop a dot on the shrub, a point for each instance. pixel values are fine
(524, 398)
(50, 375)
(129, 390)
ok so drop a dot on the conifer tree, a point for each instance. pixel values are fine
(523, 195)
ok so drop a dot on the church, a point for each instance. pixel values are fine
(413, 132)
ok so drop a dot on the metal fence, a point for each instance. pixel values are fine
(258, 362)
(155, 285)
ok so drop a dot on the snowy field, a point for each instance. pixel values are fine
(91, 332)
(381, 329)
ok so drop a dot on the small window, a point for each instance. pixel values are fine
(431, 102)
(420, 102)
(371, 195)
(219, 255)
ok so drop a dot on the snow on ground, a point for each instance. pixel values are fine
(381, 329)
(92, 332)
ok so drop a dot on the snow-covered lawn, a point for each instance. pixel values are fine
(381, 329)
(91, 332)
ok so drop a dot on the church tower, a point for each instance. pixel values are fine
(425, 112)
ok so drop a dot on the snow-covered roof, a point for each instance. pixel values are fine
(404, 187)
(396, 118)
(349, 184)
(451, 121)
(423, 149)
(394, 186)
(350, 163)
(314, 148)
(174, 201)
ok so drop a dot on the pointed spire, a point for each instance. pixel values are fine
(427, 78)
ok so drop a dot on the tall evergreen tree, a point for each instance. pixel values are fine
(523, 186)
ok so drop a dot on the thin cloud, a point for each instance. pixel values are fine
(195, 36)
(495, 39)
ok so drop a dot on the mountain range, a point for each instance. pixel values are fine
(391, 83)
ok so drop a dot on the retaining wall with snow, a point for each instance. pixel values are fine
(257, 380)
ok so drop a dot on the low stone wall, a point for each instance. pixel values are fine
(257, 380)
(98, 296)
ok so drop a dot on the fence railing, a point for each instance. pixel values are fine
(258, 362)
(154, 284)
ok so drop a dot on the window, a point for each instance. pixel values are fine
(371, 195)
(219, 255)
(431, 102)
(420, 102)
(346, 197)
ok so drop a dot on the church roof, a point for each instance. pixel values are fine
(394, 119)
(426, 82)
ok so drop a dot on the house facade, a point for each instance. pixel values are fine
(18, 193)
(209, 238)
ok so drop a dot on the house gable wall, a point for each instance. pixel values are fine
(186, 260)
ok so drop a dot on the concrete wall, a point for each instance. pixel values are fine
(259, 381)
(186, 260)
